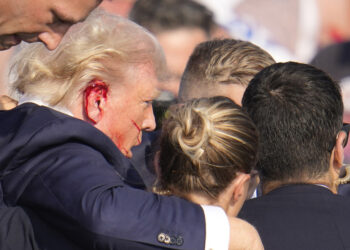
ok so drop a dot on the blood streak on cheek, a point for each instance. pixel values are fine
(100, 88)
(138, 129)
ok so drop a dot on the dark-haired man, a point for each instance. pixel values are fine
(298, 111)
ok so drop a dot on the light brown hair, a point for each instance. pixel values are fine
(204, 143)
(226, 61)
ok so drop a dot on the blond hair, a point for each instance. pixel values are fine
(226, 61)
(204, 143)
(104, 46)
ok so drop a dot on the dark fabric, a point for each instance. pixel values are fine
(141, 164)
(16, 232)
(73, 178)
(303, 217)
(344, 189)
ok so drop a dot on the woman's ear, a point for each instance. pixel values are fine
(242, 182)
(233, 197)
(95, 98)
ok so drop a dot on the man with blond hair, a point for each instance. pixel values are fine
(222, 67)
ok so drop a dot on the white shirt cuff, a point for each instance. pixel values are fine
(217, 228)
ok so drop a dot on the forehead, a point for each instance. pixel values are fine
(140, 81)
(233, 91)
(178, 45)
(74, 10)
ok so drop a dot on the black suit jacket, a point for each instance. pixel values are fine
(300, 217)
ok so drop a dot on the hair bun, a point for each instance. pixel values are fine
(193, 132)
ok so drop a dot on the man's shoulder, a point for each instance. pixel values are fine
(296, 217)
(295, 200)
(33, 127)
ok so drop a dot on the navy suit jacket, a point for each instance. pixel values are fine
(71, 178)
(300, 217)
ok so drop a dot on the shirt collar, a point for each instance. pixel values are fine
(27, 99)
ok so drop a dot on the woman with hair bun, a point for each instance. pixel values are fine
(208, 150)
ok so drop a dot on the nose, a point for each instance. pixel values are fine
(53, 37)
(149, 123)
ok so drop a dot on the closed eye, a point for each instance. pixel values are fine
(58, 18)
(149, 102)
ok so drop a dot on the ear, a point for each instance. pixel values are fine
(95, 98)
(338, 153)
(240, 191)
(235, 194)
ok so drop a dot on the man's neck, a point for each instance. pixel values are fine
(268, 186)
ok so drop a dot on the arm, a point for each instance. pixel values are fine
(84, 198)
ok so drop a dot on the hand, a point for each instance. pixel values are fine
(7, 103)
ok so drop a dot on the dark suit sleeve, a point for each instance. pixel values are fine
(82, 196)
(16, 230)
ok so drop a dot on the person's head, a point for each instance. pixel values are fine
(298, 111)
(40, 20)
(222, 67)
(179, 26)
(208, 149)
(105, 71)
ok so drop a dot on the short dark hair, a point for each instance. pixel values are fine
(298, 111)
(163, 15)
(225, 61)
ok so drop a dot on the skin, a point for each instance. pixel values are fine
(178, 45)
(40, 20)
(231, 199)
(7, 103)
(242, 234)
(119, 7)
(233, 91)
(127, 111)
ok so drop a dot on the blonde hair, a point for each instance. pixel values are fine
(226, 61)
(204, 143)
(104, 46)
